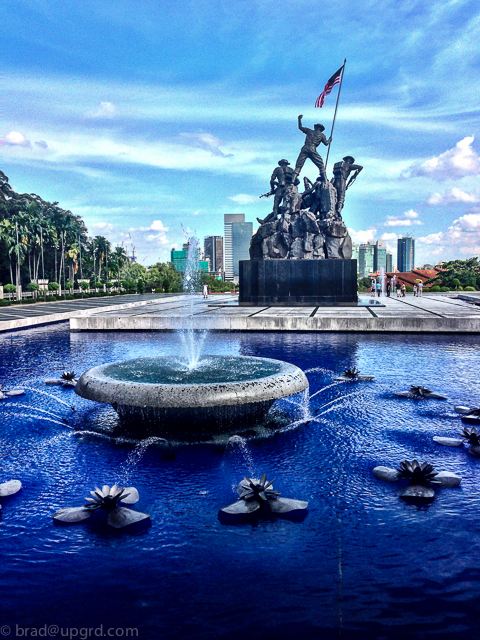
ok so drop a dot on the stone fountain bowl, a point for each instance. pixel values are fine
(169, 398)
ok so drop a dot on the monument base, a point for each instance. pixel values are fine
(298, 283)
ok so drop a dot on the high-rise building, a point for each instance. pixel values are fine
(389, 267)
(365, 259)
(213, 249)
(179, 260)
(237, 236)
(355, 254)
(380, 256)
(405, 254)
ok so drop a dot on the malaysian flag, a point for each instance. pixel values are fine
(335, 79)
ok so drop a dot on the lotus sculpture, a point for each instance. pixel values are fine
(114, 502)
(419, 392)
(259, 496)
(468, 436)
(353, 374)
(9, 393)
(421, 477)
(66, 379)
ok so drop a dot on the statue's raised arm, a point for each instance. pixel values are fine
(314, 137)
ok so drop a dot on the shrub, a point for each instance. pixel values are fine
(84, 285)
(53, 286)
(69, 285)
(9, 288)
(469, 288)
(445, 288)
(166, 285)
(32, 286)
(459, 288)
(140, 286)
(435, 289)
(5, 303)
(409, 288)
(98, 285)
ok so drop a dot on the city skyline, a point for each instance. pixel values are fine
(142, 119)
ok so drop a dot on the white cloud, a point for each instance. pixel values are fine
(461, 238)
(16, 139)
(458, 162)
(361, 237)
(157, 225)
(407, 219)
(102, 226)
(243, 198)
(204, 141)
(105, 110)
(452, 196)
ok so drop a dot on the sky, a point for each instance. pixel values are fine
(152, 119)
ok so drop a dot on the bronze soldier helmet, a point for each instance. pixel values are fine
(280, 162)
(349, 159)
(319, 126)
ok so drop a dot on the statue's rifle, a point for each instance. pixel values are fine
(352, 179)
(267, 195)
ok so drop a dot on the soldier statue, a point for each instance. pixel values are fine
(341, 181)
(314, 137)
(282, 178)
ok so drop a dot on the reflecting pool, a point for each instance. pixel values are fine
(363, 564)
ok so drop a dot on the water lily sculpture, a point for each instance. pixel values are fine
(4, 393)
(421, 479)
(260, 496)
(418, 392)
(66, 379)
(9, 489)
(112, 501)
(353, 374)
(468, 436)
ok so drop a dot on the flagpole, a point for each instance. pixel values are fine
(335, 114)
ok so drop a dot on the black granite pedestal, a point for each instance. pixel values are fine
(298, 283)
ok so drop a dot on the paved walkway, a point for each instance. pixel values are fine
(433, 313)
(29, 315)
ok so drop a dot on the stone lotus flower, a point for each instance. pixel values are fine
(259, 495)
(109, 500)
(66, 379)
(353, 374)
(418, 392)
(420, 478)
(8, 489)
(468, 436)
(4, 393)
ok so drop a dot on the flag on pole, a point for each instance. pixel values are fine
(335, 79)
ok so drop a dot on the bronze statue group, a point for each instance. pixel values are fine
(310, 224)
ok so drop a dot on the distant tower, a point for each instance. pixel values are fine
(380, 256)
(366, 254)
(406, 254)
(237, 236)
(213, 249)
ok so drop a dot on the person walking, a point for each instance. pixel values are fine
(205, 291)
(420, 289)
(398, 286)
(389, 286)
(379, 289)
(414, 290)
(373, 289)
(404, 290)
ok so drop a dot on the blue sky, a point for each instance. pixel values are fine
(146, 115)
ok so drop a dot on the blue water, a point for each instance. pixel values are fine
(361, 565)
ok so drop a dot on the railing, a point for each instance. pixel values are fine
(39, 295)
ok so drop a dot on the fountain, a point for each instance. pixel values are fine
(191, 393)
(170, 398)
